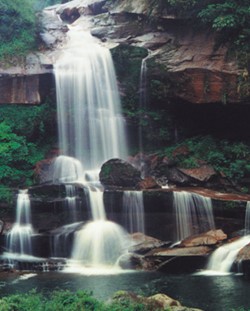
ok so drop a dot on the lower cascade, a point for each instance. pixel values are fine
(133, 210)
(223, 258)
(99, 242)
(193, 214)
(19, 238)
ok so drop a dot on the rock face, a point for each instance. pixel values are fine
(183, 59)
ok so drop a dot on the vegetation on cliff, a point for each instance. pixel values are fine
(18, 26)
(24, 140)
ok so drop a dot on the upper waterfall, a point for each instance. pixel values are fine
(91, 127)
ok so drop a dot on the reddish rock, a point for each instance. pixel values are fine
(211, 237)
(202, 174)
(180, 251)
(244, 254)
(148, 183)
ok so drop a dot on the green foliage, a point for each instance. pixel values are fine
(24, 140)
(229, 158)
(68, 301)
(231, 19)
(182, 4)
(17, 27)
(17, 157)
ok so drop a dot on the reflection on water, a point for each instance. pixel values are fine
(214, 293)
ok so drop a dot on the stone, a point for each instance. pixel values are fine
(147, 244)
(180, 251)
(148, 183)
(201, 174)
(244, 254)
(165, 300)
(119, 173)
(211, 237)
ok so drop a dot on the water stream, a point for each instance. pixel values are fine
(133, 210)
(222, 259)
(19, 238)
(91, 131)
(91, 127)
(193, 214)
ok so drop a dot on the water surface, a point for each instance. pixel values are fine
(210, 293)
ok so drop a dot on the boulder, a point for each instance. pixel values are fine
(244, 254)
(145, 244)
(201, 174)
(165, 300)
(211, 237)
(180, 252)
(117, 173)
(134, 262)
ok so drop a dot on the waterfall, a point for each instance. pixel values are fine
(19, 238)
(247, 218)
(133, 207)
(91, 131)
(142, 106)
(91, 127)
(222, 259)
(100, 242)
(193, 214)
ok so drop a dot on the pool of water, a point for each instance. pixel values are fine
(210, 293)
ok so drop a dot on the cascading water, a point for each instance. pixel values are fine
(91, 127)
(19, 238)
(100, 242)
(133, 209)
(193, 214)
(91, 131)
(223, 258)
(142, 105)
(71, 202)
(247, 218)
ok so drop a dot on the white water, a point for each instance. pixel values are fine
(91, 128)
(193, 214)
(247, 218)
(133, 209)
(222, 259)
(100, 242)
(19, 238)
(91, 131)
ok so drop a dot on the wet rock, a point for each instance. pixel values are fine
(1, 226)
(180, 251)
(211, 237)
(118, 173)
(201, 174)
(134, 262)
(148, 245)
(148, 183)
(244, 254)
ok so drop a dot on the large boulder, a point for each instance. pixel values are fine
(117, 173)
(211, 237)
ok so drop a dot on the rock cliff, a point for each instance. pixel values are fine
(181, 56)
